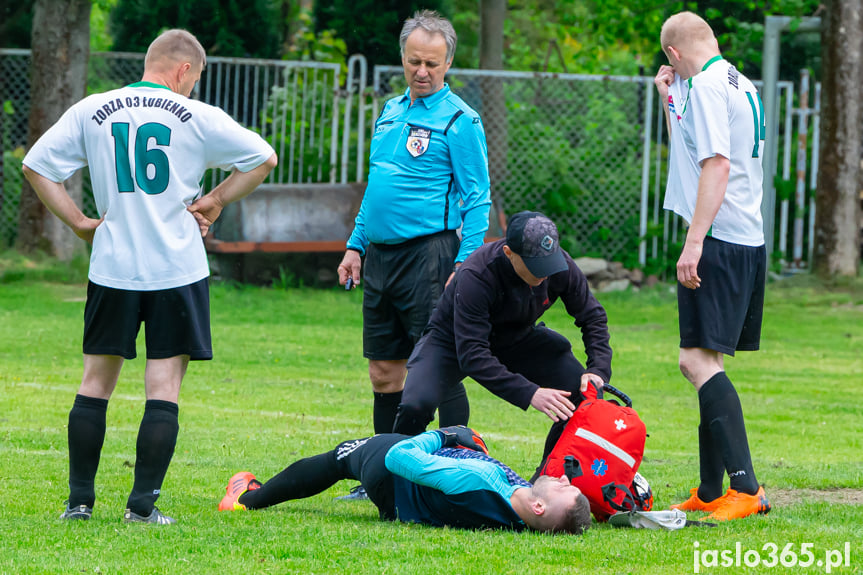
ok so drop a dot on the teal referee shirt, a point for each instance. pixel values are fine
(428, 172)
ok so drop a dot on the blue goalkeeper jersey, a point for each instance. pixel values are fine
(453, 487)
(428, 173)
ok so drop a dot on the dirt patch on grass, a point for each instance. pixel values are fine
(784, 497)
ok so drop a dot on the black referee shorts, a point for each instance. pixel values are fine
(177, 321)
(402, 285)
(724, 314)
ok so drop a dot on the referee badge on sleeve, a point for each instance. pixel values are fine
(418, 141)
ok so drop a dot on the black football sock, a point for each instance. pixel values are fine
(711, 466)
(157, 437)
(724, 414)
(86, 433)
(302, 478)
(455, 409)
(384, 412)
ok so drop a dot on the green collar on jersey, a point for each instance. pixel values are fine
(707, 65)
(713, 60)
(148, 85)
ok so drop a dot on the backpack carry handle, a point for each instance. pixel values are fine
(617, 393)
(596, 391)
(609, 492)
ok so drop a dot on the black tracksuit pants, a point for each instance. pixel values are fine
(543, 356)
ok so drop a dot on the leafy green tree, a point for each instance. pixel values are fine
(224, 27)
(16, 22)
(371, 27)
(560, 36)
(16, 19)
(601, 37)
(100, 37)
(302, 43)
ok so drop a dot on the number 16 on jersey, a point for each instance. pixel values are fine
(144, 158)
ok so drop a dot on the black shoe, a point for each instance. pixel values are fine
(79, 512)
(358, 493)
(156, 517)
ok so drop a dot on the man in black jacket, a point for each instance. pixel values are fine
(485, 327)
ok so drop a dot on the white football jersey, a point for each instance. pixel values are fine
(718, 112)
(148, 149)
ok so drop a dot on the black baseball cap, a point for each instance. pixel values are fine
(534, 237)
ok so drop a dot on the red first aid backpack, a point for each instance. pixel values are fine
(600, 450)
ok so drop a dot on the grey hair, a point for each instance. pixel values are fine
(433, 23)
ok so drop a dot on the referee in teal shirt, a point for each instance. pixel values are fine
(428, 177)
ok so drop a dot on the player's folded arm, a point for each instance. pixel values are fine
(414, 460)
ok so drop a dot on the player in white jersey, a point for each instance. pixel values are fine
(147, 146)
(716, 125)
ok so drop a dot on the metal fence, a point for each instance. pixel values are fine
(295, 106)
(568, 145)
(588, 150)
(797, 169)
(15, 111)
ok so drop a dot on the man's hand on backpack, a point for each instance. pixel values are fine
(461, 436)
(589, 378)
(553, 402)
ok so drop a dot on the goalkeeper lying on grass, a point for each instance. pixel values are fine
(440, 477)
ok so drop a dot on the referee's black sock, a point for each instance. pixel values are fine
(724, 415)
(386, 407)
(86, 433)
(157, 437)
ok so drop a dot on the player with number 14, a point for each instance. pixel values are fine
(716, 127)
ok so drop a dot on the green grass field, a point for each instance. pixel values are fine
(289, 380)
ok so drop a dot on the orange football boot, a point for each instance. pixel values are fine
(237, 485)
(694, 503)
(736, 505)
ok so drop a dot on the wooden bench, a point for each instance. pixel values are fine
(288, 218)
(217, 246)
(301, 228)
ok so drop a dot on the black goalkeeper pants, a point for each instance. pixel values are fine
(360, 459)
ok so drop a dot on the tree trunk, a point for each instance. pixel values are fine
(494, 105)
(3, 145)
(837, 213)
(58, 71)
